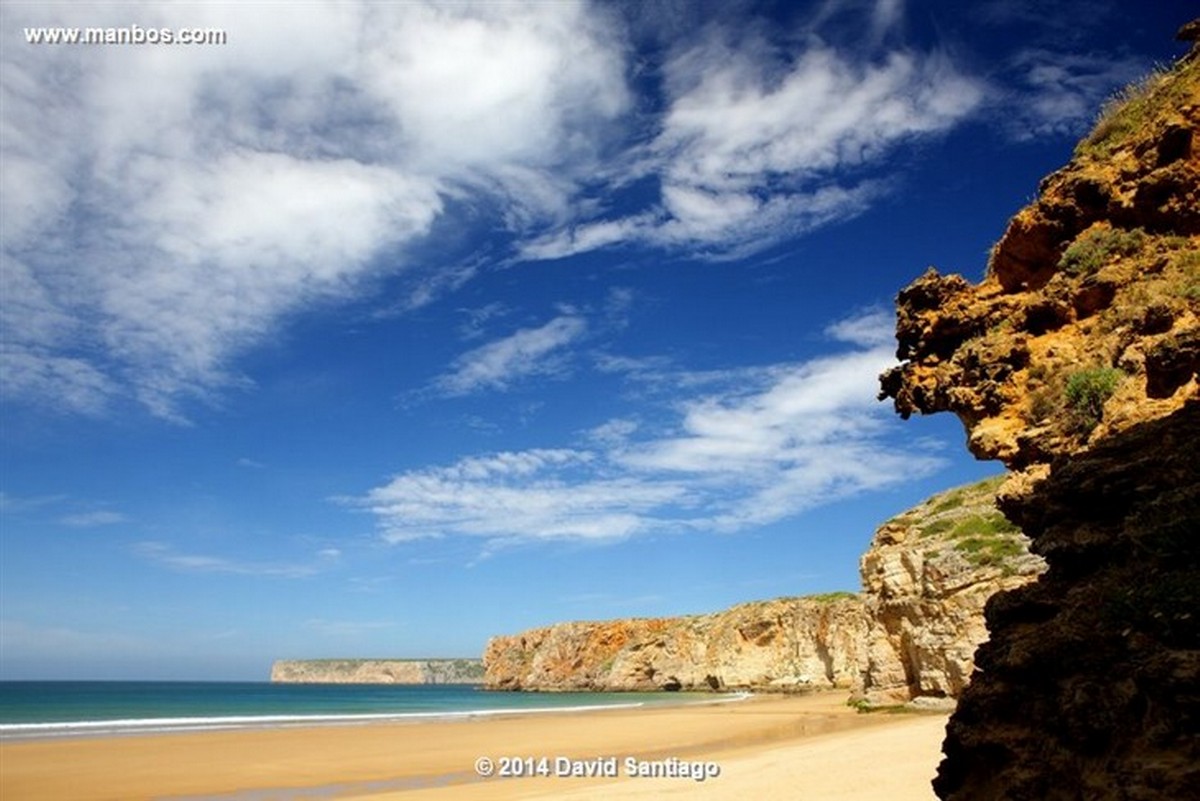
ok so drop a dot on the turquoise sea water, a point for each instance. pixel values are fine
(39, 709)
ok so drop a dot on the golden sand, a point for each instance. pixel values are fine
(794, 747)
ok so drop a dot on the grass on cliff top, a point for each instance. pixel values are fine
(979, 493)
(352, 663)
(983, 524)
(830, 597)
(985, 538)
(966, 519)
(1138, 107)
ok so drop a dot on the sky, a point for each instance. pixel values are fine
(383, 328)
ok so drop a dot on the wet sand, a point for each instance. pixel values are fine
(811, 746)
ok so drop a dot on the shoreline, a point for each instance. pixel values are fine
(129, 727)
(756, 743)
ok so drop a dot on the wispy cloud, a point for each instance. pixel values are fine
(536, 494)
(102, 517)
(500, 363)
(477, 319)
(754, 148)
(85, 518)
(1060, 94)
(255, 180)
(754, 451)
(13, 504)
(163, 554)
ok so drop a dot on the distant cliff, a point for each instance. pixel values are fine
(912, 633)
(788, 643)
(926, 577)
(1075, 362)
(378, 671)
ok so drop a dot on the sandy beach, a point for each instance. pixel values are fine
(811, 746)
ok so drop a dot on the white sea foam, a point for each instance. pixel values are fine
(10, 731)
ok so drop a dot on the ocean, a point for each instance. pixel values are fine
(46, 709)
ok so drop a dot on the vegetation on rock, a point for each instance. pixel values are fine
(926, 578)
(1098, 246)
(1086, 393)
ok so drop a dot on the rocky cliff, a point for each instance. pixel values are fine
(1075, 362)
(926, 578)
(378, 671)
(784, 644)
(911, 634)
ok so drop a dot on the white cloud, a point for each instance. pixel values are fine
(739, 126)
(589, 236)
(869, 328)
(478, 318)
(826, 400)
(211, 192)
(163, 554)
(496, 365)
(92, 519)
(613, 432)
(520, 77)
(529, 495)
(1061, 93)
(15, 504)
(40, 375)
(773, 442)
(754, 148)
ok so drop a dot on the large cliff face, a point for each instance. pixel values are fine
(911, 634)
(782, 644)
(1075, 362)
(377, 671)
(926, 578)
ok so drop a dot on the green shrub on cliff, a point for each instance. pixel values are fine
(981, 551)
(1086, 392)
(1095, 247)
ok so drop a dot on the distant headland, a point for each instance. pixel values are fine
(377, 671)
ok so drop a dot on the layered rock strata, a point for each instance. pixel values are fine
(926, 578)
(377, 671)
(784, 644)
(911, 634)
(1075, 362)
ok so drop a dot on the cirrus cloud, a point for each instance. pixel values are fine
(755, 147)
(747, 449)
(527, 352)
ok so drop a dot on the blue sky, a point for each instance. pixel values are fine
(384, 328)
